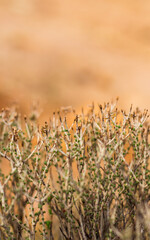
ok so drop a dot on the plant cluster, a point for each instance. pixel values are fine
(93, 175)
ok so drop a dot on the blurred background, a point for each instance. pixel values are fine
(74, 52)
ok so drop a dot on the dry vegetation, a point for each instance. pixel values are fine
(80, 176)
(92, 174)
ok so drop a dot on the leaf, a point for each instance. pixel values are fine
(49, 199)
(48, 224)
(40, 206)
(50, 211)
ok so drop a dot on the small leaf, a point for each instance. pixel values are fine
(50, 211)
(48, 224)
(39, 205)
(49, 199)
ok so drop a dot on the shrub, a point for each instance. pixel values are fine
(93, 175)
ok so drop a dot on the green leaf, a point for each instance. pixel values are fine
(50, 211)
(48, 224)
(40, 206)
(49, 199)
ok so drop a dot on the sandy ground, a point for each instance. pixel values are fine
(74, 52)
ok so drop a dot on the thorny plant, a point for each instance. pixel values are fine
(93, 175)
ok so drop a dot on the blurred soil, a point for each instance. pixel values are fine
(73, 52)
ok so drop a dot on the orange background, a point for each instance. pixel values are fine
(74, 52)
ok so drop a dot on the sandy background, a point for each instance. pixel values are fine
(74, 52)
